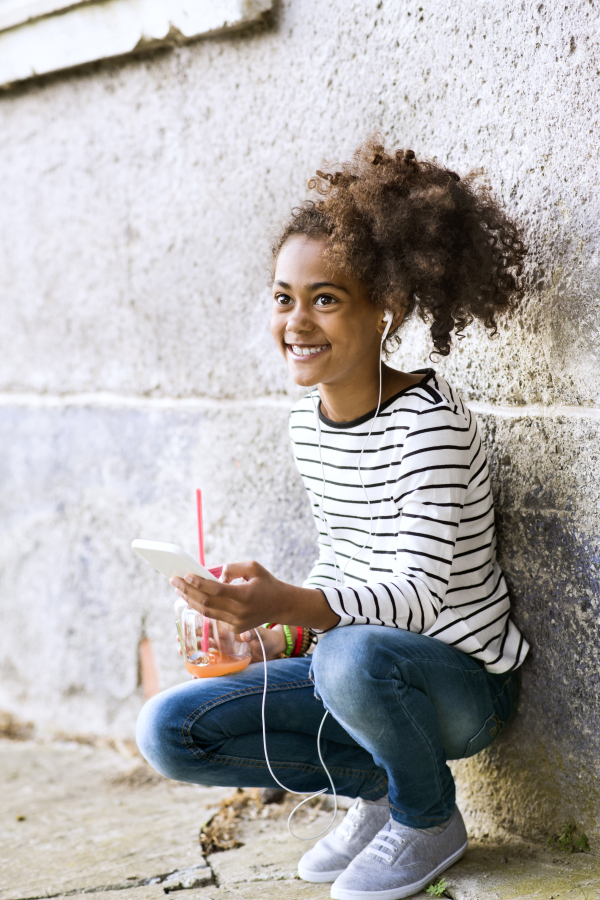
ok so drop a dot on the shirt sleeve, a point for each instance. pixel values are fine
(429, 492)
(323, 573)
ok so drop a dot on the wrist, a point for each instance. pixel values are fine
(306, 607)
(279, 641)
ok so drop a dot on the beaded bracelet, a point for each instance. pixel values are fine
(308, 639)
(289, 641)
(305, 638)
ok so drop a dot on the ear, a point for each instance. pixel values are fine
(388, 319)
(390, 322)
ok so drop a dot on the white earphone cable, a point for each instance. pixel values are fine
(311, 796)
(323, 516)
(388, 319)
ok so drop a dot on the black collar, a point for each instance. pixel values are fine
(428, 375)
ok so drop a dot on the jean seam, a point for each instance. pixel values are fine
(304, 767)
(507, 687)
(224, 698)
(395, 666)
(508, 683)
(440, 663)
(380, 785)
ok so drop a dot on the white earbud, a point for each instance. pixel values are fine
(388, 319)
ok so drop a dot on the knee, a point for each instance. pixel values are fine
(156, 735)
(347, 664)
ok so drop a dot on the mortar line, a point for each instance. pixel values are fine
(108, 400)
(534, 410)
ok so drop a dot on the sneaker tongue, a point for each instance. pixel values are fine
(348, 821)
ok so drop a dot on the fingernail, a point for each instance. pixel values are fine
(189, 578)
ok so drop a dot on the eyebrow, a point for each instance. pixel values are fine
(315, 286)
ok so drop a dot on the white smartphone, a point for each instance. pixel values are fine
(171, 560)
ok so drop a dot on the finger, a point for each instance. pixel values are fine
(205, 603)
(231, 609)
(192, 583)
(255, 645)
(246, 570)
(228, 611)
(230, 605)
(252, 633)
(202, 584)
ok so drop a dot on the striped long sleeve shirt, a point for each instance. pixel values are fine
(429, 564)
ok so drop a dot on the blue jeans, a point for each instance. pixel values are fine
(401, 705)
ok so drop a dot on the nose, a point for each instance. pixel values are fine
(299, 320)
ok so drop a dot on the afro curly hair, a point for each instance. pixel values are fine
(418, 237)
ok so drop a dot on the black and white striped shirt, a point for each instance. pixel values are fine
(430, 563)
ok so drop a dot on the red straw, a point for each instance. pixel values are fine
(205, 625)
(200, 527)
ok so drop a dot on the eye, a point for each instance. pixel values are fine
(283, 300)
(325, 300)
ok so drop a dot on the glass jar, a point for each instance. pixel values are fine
(209, 647)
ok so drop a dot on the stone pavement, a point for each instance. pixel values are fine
(78, 819)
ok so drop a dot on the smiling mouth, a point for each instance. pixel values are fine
(303, 352)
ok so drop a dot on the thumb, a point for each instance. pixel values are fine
(245, 570)
(249, 636)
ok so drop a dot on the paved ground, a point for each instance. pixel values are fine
(77, 819)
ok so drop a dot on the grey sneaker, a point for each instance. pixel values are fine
(330, 855)
(401, 861)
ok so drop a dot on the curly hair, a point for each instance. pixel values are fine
(418, 237)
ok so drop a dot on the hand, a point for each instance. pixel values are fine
(262, 598)
(272, 638)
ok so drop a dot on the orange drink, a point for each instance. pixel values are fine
(219, 664)
(208, 647)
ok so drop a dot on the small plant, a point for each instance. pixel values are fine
(218, 833)
(566, 841)
(438, 888)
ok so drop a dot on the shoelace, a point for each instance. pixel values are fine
(350, 823)
(381, 840)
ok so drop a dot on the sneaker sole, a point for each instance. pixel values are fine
(408, 890)
(318, 877)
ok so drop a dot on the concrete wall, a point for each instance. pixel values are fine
(136, 203)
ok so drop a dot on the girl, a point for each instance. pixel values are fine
(417, 656)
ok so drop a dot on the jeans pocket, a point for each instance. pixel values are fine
(492, 727)
(505, 707)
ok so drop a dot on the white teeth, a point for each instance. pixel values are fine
(306, 351)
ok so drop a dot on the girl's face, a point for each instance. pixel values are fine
(322, 320)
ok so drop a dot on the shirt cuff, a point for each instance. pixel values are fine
(333, 602)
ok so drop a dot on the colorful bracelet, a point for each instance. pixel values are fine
(308, 639)
(289, 641)
(299, 636)
(305, 638)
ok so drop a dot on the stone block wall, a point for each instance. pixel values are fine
(136, 365)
